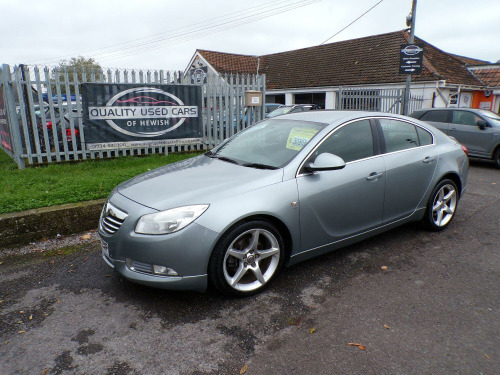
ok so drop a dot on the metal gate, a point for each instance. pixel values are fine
(41, 111)
(380, 100)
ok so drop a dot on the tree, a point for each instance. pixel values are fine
(79, 64)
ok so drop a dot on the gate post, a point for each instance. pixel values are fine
(402, 106)
(263, 89)
(339, 99)
(12, 123)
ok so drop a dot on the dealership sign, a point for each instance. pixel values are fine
(128, 115)
(198, 75)
(410, 58)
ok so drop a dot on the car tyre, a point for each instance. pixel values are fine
(496, 158)
(442, 205)
(246, 259)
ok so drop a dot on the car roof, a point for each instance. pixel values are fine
(451, 109)
(337, 116)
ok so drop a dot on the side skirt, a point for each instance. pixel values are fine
(311, 253)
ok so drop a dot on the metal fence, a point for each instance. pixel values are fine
(372, 99)
(44, 110)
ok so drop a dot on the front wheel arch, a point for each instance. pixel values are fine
(234, 266)
(279, 224)
(496, 156)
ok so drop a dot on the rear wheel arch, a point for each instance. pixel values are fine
(442, 204)
(456, 179)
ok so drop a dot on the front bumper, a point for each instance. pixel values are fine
(195, 283)
(187, 251)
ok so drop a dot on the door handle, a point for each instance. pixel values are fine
(374, 176)
(428, 159)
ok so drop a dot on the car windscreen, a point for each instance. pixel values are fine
(488, 114)
(280, 111)
(270, 108)
(268, 144)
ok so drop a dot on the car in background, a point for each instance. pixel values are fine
(286, 109)
(477, 129)
(61, 125)
(277, 193)
(269, 107)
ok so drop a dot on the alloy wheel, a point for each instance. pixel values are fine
(444, 205)
(251, 260)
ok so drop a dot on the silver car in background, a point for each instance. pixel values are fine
(280, 192)
(477, 129)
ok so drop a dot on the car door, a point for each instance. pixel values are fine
(438, 118)
(410, 161)
(465, 129)
(339, 203)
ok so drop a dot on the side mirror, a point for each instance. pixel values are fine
(482, 124)
(325, 162)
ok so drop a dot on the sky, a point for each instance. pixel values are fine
(164, 34)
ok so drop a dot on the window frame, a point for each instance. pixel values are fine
(460, 110)
(382, 138)
(375, 139)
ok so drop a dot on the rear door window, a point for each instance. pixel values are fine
(436, 116)
(424, 137)
(398, 135)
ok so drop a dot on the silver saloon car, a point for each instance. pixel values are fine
(477, 129)
(282, 191)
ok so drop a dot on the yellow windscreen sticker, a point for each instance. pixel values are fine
(299, 137)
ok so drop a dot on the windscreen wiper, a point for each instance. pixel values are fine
(223, 158)
(210, 154)
(260, 166)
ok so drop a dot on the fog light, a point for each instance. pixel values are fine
(162, 270)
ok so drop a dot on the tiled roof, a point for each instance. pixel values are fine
(369, 60)
(469, 60)
(230, 62)
(446, 66)
(490, 75)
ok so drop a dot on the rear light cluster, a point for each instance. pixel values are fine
(68, 132)
(464, 149)
(49, 125)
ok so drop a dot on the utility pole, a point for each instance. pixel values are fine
(412, 40)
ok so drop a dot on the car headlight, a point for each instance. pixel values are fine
(169, 221)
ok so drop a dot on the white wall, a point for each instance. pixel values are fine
(330, 99)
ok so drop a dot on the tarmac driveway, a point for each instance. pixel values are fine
(416, 303)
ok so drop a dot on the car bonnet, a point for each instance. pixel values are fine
(200, 180)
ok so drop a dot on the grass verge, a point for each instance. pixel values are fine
(54, 184)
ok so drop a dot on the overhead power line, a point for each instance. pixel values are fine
(97, 50)
(198, 33)
(194, 31)
(338, 32)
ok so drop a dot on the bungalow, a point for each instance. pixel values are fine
(319, 74)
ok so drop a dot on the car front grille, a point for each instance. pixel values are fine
(112, 218)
